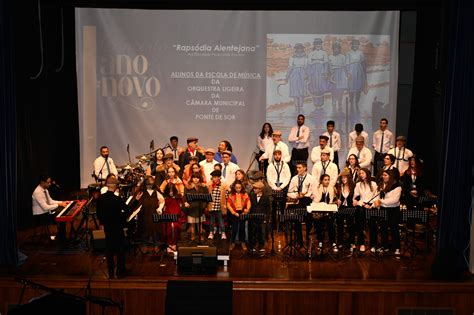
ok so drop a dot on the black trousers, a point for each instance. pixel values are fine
(257, 233)
(321, 224)
(378, 162)
(389, 226)
(298, 155)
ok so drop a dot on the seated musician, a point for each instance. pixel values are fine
(152, 201)
(104, 165)
(300, 193)
(196, 207)
(389, 200)
(44, 206)
(324, 192)
(260, 203)
(345, 194)
(238, 203)
(364, 192)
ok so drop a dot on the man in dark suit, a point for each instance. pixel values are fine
(191, 150)
(259, 203)
(112, 212)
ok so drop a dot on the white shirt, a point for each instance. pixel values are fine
(285, 154)
(316, 153)
(42, 201)
(99, 162)
(401, 158)
(363, 190)
(338, 61)
(331, 170)
(228, 176)
(364, 156)
(272, 175)
(336, 140)
(173, 151)
(387, 140)
(161, 200)
(353, 136)
(306, 188)
(354, 56)
(319, 190)
(262, 143)
(392, 198)
(208, 168)
(302, 143)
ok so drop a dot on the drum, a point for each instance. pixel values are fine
(93, 190)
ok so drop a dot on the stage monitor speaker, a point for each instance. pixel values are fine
(197, 259)
(98, 240)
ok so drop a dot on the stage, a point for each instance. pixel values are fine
(332, 285)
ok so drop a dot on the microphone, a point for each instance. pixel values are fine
(55, 185)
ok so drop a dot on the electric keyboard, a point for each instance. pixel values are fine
(68, 213)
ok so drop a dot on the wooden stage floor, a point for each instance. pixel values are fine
(341, 283)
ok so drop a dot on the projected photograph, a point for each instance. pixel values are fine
(345, 78)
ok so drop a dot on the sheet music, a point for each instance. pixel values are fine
(322, 207)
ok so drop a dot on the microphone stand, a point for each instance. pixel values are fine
(99, 176)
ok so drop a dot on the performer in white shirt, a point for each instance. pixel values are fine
(43, 205)
(228, 168)
(366, 191)
(174, 149)
(104, 165)
(208, 164)
(325, 166)
(334, 140)
(389, 200)
(382, 142)
(299, 140)
(301, 189)
(362, 152)
(316, 152)
(277, 143)
(401, 154)
(358, 131)
(278, 173)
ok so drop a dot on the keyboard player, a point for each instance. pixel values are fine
(44, 207)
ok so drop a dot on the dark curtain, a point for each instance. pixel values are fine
(8, 176)
(457, 154)
(48, 137)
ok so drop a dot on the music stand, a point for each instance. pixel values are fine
(292, 216)
(342, 214)
(199, 197)
(412, 217)
(164, 218)
(325, 210)
(278, 197)
(377, 215)
(86, 213)
(133, 216)
(251, 217)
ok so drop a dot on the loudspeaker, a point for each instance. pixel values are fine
(197, 259)
(98, 240)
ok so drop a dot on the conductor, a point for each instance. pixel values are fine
(112, 212)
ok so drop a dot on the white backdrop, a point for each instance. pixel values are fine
(147, 75)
